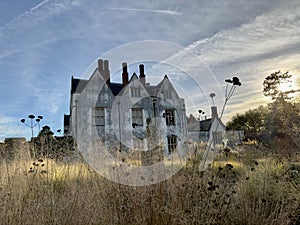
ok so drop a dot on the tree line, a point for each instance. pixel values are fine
(276, 124)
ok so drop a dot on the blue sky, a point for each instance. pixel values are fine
(44, 43)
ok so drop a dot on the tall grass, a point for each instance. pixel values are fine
(249, 187)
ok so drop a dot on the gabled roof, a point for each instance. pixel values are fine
(132, 77)
(205, 124)
(78, 85)
(115, 88)
(154, 89)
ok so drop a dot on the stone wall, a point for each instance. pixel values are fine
(14, 148)
(59, 148)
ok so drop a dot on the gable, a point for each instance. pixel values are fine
(134, 82)
(165, 86)
(94, 88)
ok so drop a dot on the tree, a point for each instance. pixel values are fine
(252, 121)
(278, 85)
(46, 131)
(283, 121)
(44, 142)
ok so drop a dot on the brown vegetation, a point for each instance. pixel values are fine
(249, 187)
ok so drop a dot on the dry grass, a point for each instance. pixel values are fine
(241, 188)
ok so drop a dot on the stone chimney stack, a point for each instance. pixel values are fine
(124, 74)
(103, 67)
(100, 65)
(142, 74)
(214, 112)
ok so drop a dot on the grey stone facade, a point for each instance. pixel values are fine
(132, 114)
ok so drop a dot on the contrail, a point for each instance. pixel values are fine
(170, 12)
(23, 14)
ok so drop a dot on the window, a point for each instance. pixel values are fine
(98, 117)
(135, 92)
(170, 117)
(137, 117)
(172, 143)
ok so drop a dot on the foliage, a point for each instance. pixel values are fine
(272, 85)
(278, 123)
(252, 121)
(46, 132)
(283, 123)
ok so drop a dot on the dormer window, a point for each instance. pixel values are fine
(135, 92)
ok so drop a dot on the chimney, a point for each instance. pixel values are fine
(142, 74)
(106, 73)
(214, 112)
(100, 65)
(124, 74)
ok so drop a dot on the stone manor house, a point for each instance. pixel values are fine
(134, 113)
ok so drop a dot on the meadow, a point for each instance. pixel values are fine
(248, 186)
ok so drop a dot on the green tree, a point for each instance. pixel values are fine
(283, 121)
(252, 121)
(283, 124)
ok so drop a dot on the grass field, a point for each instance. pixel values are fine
(245, 187)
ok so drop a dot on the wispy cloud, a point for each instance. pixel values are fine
(251, 51)
(269, 35)
(37, 14)
(169, 12)
(9, 128)
(5, 119)
(45, 45)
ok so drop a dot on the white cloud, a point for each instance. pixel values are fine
(249, 39)
(268, 35)
(37, 14)
(252, 51)
(9, 127)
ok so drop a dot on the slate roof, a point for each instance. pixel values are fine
(154, 89)
(66, 120)
(115, 88)
(78, 85)
(205, 124)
